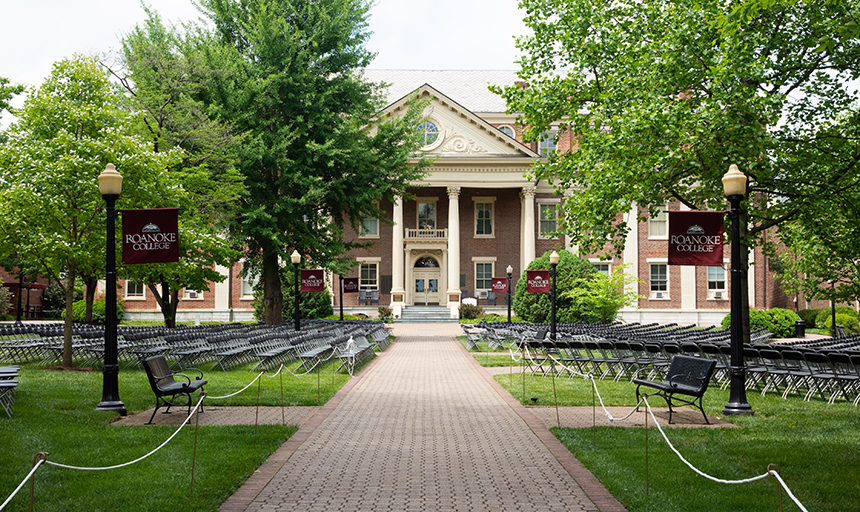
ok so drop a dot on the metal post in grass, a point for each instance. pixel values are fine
(509, 295)
(734, 186)
(110, 187)
(340, 297)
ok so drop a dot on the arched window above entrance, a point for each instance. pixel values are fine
(426, 262)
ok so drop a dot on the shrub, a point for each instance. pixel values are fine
(850, 322)
(783, 321)
(385, 313)
(311, 305)
(79, 312)
(758, 319)
(572, 272)
(808, 316)
(826, 315)
(470, 312)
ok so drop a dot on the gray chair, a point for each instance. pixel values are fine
(362, 297)
(491, 298)
(374, 297)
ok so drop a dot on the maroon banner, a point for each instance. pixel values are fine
(350, 285)
(312, 280)
(538, 281)
(150, 236)
(500, 284)
(696, 238)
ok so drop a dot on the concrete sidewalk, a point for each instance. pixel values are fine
(423, 428)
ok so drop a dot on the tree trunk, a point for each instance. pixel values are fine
(91, 283)
(168, 302)
(69, 288)
(273, 297)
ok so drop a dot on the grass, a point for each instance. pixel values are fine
(815, 445)
(55, 413)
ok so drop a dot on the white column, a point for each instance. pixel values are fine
(222, 296)
(631, 255)
(454, 250)
(688, 283)
(528, 224)
(398, 293)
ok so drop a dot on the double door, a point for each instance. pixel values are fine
(426, 290)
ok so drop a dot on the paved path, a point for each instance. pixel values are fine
(423, 428)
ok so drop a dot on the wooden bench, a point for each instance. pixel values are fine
(165, 386)
(687, 376)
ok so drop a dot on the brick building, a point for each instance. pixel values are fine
(475, 213)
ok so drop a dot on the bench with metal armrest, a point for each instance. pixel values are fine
(170, 386)
(687, 377)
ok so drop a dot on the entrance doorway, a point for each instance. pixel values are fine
(425, 280)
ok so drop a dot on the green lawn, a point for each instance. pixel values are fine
(55, 413)
(815, 445)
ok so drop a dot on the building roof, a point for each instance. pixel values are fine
(469, 88)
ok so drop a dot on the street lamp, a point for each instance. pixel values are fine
(510, 270)
(734, 186)
(110, 187)
(553, 262)
(295, 257)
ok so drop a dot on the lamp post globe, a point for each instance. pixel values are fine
(296, 258)
(110, 187)
(734, 187)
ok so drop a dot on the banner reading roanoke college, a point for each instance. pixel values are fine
(312, 280)
(696, 238)
(350, 285)
(150, 236)
(538, 281)
(500, 284)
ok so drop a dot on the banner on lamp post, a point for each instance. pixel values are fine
(350, 285)
(696, 238)
(312, 280)
(499, 284)
(538, 281)
(150, 236)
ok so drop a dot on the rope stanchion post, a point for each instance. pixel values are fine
(554, 394)
(194, 452)
(38, 459)
(593, 413)
(257, 414)
(774, 468)
(283, 402)
(646, 455)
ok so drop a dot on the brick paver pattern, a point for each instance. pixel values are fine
(422, 430)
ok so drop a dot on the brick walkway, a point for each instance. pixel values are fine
(423, 428)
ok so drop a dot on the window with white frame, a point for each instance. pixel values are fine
(659, 281)
(603, 268)
(248, 282)
(426, 214)
(483, 276)
(368, 278)
(507, 130)
(483, 218)
(134, 290)
(658, 226)
(716, 282)
(546, 145)
(429, 132)
(548, 220)
(369, 225)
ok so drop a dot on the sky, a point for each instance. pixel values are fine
(444, 34)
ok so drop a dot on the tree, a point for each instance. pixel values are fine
(317, 153)
(51, 210)
(660, 101)
(7, 92)
(162, 72)
(572, 272)
(601, 296)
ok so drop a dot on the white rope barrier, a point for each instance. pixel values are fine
(237, 392)
(162, 445)
(590, 376)
(24, 481)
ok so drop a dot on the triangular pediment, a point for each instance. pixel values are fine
(460, 131)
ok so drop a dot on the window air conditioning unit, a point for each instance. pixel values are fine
(658, 295)
(192, 295)
(482, 294)
(718, 295)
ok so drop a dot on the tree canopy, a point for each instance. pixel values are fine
(661, 100)
(69, 129)
(290, 83)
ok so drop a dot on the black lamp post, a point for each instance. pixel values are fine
(832, 312)
(20, 291)
(110, 186)
(510, 270)
(553, 262)
(295, 257)
(734, 186)
(340, 297)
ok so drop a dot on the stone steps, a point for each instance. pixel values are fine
(425, 315)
